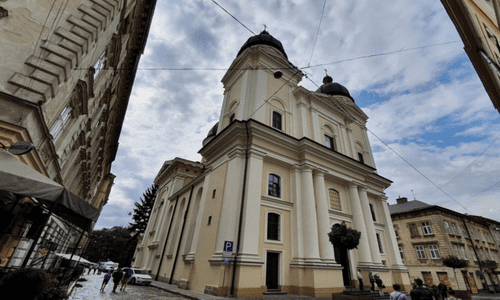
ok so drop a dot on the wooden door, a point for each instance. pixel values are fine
(428, 279)
(272, 270)
(472, 283)
(444, 279)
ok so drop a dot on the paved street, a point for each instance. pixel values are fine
(90, 291)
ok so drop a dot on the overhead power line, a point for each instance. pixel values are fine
(317, 33)
(233, 17)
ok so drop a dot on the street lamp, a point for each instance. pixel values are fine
(18, 148)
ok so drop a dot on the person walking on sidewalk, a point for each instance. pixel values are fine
(107, 277)
(420, 292)
(360, 279)
(372, 281)
(117, 276)
(397, 295)
(127, 274)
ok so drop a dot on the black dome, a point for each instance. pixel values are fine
(264, 38)
(333, 88)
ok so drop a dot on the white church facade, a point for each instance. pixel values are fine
(282, 165)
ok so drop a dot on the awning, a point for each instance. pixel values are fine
(74, 258)
(18, 178)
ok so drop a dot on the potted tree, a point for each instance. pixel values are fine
(344, 238)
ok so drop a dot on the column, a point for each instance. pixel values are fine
(315, 123)
(310, 226)
(369, 148)
(323, 218)
(251, 210)
(364, 255)
(260, 90)
(343, 147)
(230, 210)
(392, 243)
(370, 227)
(199, 217)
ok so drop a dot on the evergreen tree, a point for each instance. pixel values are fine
(142, 211)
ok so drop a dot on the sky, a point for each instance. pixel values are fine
(433, 129)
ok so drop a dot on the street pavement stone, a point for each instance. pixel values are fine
(90, 290)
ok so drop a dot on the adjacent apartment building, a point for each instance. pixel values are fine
(67, 69)
(282, 165)
(428, 233)
(478, 22)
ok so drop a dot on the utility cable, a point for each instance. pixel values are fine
(317, 33)
(473, 162)
(233, 17)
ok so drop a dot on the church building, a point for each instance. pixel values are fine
(282, 165)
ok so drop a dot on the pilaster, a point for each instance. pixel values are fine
(392, 242)
(364, 255)
(370, 227)
(310, 227)
(323, 218)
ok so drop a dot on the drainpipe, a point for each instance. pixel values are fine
(241, 211)
(180, 237)
(475, 252)
(493, 65)
(166, 239)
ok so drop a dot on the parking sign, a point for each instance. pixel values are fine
(228, 246)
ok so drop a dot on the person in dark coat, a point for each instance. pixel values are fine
(420, 292)
(380, 284)
(372, 281)
(443, 291)
(117, 276)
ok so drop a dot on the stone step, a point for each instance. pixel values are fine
(274, 292)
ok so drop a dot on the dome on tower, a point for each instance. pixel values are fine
(333, 88)
(264, 38)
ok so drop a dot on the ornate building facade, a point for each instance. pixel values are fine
(478, 23)
(67, 74)
(282, 165)
(426, 234)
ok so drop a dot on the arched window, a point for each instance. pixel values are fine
(334, 199)
(277, 120)
(360, 158)
(274, 186)
(329, 142)
(273, 227)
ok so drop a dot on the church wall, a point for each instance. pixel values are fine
(328, 164)
(208, 234)
(276, 148)
(342, 189)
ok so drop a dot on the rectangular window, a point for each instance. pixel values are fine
(209, 220)
(474, 256)
(457, 251)
(60, 123)
(413, 230)
(426, 228)
(464, 254)
(448, 227)
(277, 120)
(455, 229)
(396, 232)
(434, 251)
(464, 231)
(380, 248)
(273, 227)
(231, 118)
(360, 158)
(372, 210)
(401, 253)
(274, 186)
(329, 142)
(420, 252)
(213, 193)
(99, 65)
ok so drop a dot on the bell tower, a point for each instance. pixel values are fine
(260, 74)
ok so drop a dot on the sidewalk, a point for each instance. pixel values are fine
(172, 288)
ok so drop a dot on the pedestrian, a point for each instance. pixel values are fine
(380, 284)
(372, 281)
(107, 277)
(435, 292)
(397, 295)
(117, 276)
(420, 292)
(443, 291)
(360, 278)
(452, 294)
(127, 274)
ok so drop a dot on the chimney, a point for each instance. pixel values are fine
(402, 200)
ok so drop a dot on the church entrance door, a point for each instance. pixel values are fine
(342, 258)
(272, 270)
